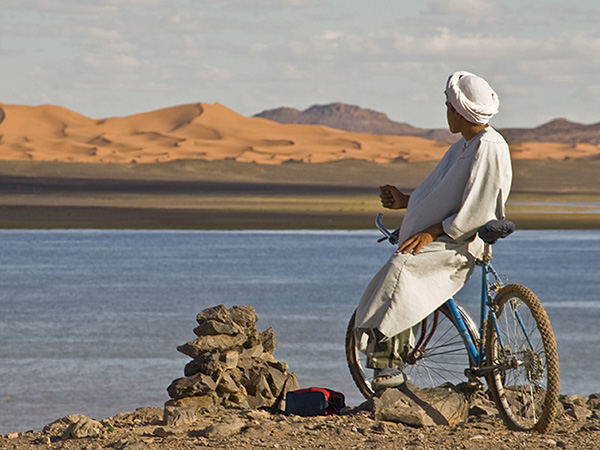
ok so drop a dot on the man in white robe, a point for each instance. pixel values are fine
(438, 237)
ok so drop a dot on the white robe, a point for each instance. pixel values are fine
(467, 188)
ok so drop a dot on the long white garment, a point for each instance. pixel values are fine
(467, 188)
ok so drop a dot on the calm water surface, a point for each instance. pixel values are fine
(91, 319)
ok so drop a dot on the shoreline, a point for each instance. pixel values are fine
(131, 218)
(231, 195)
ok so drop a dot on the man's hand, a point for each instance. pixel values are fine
(416, 242)
(392, 198)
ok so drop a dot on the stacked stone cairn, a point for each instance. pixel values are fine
(232, 364)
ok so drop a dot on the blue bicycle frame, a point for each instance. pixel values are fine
(476, 350)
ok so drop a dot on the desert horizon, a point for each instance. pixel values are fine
(214, 132)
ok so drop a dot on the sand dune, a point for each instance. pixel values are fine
(214, 132)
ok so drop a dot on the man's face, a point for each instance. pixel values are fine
(452, 117)
(2, 115)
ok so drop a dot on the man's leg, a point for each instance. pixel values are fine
(386, 357)
(384, 353)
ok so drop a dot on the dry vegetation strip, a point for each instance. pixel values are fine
(225, 194)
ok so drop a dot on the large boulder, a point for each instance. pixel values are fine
(411, 405)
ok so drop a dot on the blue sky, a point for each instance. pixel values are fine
(106, 58)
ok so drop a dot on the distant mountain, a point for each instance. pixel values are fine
(558, 130)
(362, 120)
(352, 118)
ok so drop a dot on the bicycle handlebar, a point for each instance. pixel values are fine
(391, 236)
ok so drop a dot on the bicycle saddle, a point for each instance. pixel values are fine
(496, 229)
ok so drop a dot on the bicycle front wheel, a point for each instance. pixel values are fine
(439, 355)
(525, 381)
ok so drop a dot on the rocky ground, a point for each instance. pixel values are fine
(220, 427)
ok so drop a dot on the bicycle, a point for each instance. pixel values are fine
(513, 348)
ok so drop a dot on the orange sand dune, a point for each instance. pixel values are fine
(214, 132)
(555, 150)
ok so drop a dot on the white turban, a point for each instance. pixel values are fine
(472, 97)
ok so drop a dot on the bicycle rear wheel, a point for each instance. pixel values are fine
(525, 383)
(439, 355)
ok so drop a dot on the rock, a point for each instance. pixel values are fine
(579, 412)
(575, 406)
(230, 359)
(196, 385)
(258, 415)
(204, 344)
(163, 432)
(417, 407)
(179, 415)
(217, 313)
(276, 379)
(228, 385)
(59, 426)
(482, 410)
(202, 402)
(206, 363)
(268, 340)
(244, 316)
(141, 416)
(579, 400)
(213, 327)
(481, 405)
(224, 429)
(237, 317)
(279, 365)
(594, 401)
(84, 428)
(253, 340)
(256, 383)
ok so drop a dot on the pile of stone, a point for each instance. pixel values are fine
(232, 364)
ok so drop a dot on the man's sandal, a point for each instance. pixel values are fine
(388, 378)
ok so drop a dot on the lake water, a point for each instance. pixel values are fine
(90, 320)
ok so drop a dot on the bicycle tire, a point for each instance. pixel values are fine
(443, 359)
(526, 382)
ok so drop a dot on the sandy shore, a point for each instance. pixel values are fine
(233, 195)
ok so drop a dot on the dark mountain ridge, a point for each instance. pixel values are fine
(362, 120)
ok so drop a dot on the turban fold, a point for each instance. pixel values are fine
(472, 97)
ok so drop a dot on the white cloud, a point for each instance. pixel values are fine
(103, 34)
(258, 48)
(465, 8)
(213, 73)
(292, 72)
